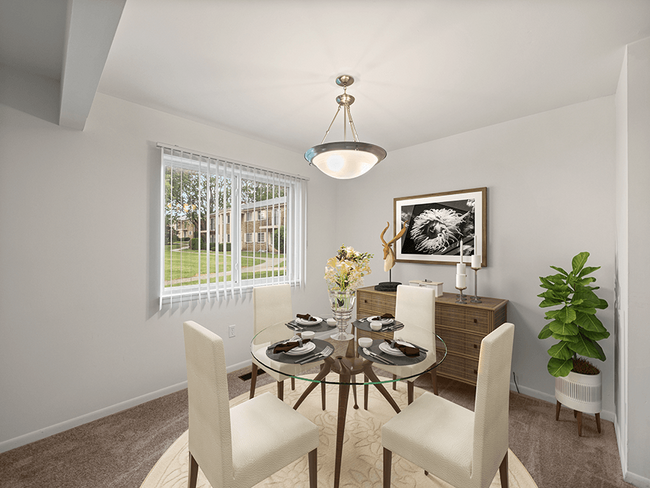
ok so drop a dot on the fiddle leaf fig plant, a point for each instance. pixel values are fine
(573, 322)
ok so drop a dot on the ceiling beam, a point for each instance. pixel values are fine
(91, 26)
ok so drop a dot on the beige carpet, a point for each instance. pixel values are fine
(362, 451)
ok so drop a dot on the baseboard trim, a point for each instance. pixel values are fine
(605, 414)
(636, 480)
(39, 434)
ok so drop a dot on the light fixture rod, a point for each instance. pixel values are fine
(331, 124)
(352, 126)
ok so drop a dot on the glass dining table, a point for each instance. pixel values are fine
(304, 350)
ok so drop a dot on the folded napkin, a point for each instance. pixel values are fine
(306, 316)
(287, 346)
(410, 351)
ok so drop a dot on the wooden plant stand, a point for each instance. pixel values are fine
(577, 415)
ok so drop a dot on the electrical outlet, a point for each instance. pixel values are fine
(231, 331)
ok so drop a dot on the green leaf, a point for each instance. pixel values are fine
(578, 262)
(561, 351)
(566, 338)
(557, 279)
(566, 315)
(545, 333)
(559, 367)
(587, 347)
(550, 302)
(565, 329)
(595, 336)
(590, 322)
(602, 304)
(585, 281)
(585, 309)
(588, 270)
(551, 314)
(560, 270)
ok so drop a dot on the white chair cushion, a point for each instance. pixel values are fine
(436, 435)
(267, 435)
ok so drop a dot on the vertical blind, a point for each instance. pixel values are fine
(228, 226)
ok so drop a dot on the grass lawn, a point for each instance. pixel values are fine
(185, 264)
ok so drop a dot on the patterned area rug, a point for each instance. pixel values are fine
(362, 450)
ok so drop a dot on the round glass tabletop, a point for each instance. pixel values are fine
(305, 351)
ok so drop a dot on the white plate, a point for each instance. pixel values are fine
(385, 347)
(309, 322)
(299, 351)
(383, 321)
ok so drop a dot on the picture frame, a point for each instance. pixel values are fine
(436, 224)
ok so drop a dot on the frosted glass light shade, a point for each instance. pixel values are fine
(345, 160)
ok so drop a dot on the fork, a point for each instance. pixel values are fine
(324, 353)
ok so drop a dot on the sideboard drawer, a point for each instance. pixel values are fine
(459, 342)
(458, 367)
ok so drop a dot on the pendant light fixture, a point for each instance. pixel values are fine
(344, 159)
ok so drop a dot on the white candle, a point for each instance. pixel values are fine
(461, 250)
(460, 269)
(476, 261)
(461, 281)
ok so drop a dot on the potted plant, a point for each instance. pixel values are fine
(574, 324)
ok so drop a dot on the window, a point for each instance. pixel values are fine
(199, 190)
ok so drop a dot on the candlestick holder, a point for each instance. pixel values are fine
(461, 298)
(475, 298)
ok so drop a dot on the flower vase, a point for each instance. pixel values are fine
(342, 303)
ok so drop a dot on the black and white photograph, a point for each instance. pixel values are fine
(442, 226)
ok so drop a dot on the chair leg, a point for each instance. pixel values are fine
(313, 468)
(395, 382)
(253, 380)
(193, 472)
(388, 458)
(411, 390)
(281, 390)
(293, 383)
(503, 471)
(434, 381)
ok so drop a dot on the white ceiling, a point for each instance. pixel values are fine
(425, 69)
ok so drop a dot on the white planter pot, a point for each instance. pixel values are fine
(580, 392)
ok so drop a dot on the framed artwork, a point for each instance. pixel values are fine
(438, 224)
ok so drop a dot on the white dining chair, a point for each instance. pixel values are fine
(271, 305)
(461, 447)
(237, 447)
(415, 307)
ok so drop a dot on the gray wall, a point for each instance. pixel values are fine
(81, 334)
(550, 180)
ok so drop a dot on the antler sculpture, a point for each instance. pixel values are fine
(389, 254)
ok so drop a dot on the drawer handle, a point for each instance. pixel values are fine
(475, 372)
(476, 321)
(475, 346)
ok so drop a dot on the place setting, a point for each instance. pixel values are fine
(304, 322)
(379, 323)
(395, 352)
(302, 348)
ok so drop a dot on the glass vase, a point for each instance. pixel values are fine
(342, 303)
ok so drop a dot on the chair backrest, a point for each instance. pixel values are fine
(210, 440)
(272, 304)
(492, 402)
(415, 307)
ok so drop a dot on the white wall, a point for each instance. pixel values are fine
(633, 167)
(80, 327)
(550, 180)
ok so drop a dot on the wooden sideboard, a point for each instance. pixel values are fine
(461, 326)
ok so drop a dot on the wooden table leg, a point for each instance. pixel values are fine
(354, 392)
(373, 377)
(344, 394)
(365, 392)
(253, 380)
(325, 369)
